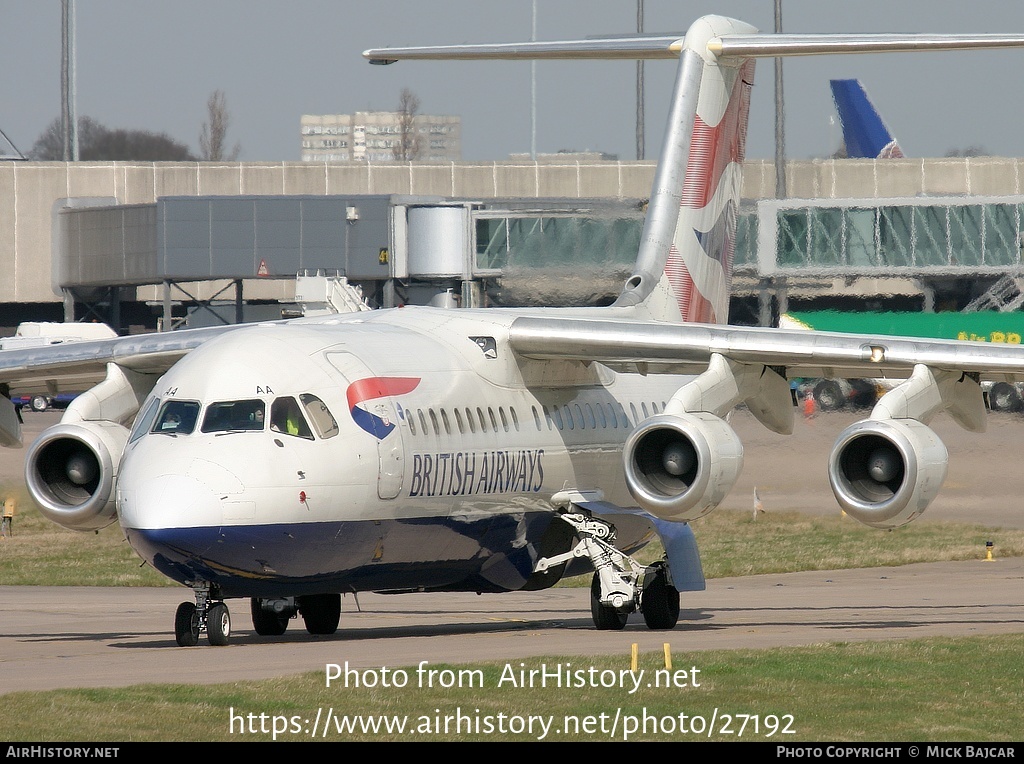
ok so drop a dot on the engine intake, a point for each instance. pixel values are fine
(70, 472)
(680, 466)
(886, 472)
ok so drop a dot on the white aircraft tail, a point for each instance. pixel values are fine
(684, 265)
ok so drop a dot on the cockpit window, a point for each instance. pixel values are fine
(145, 420)
(177, 418)
(321, 417)
(286, 417)
(229, 416)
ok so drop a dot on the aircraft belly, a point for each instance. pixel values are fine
(464, 552)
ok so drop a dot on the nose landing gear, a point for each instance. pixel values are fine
(192, 619)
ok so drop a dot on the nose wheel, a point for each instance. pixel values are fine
(190, 620)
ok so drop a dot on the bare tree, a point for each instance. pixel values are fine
(214, 133)
(409, 145)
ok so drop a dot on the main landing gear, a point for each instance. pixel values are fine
(620, 585)
(321, 614)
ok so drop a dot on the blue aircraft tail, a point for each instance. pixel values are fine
(865, 134)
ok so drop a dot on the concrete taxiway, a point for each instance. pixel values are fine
(86, 637)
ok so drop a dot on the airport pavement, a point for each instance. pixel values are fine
(77, 637)
(87, 637)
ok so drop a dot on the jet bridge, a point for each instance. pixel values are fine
(396, 249)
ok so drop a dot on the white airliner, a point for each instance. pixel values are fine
(492, 450)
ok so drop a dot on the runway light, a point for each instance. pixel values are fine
(989, 546)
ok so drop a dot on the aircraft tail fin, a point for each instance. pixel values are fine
(864, 132)
(684, 266)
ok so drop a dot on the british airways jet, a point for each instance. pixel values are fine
(492, 450)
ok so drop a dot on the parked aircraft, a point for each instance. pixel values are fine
(491, 450)
(864, 132)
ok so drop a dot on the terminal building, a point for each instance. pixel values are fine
(143, 245)
(371, 136)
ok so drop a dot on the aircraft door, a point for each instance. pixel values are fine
(372, 407)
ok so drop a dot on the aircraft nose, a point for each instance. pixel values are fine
(175, 494)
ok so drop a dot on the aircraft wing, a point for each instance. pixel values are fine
(685, 348)
(79, 365)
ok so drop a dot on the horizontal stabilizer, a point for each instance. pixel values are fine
(727, 45)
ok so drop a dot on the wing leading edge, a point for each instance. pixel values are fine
(682, 348)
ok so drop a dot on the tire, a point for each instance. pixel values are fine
(186, 625)
(864, 394)
(39, 403)
(218, 624)
(828, 394)
(1004, 397)
(265, 622)
(606, 618)
(321, 612)
(659, 601)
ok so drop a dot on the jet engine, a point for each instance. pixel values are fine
(885, 472)
(680, 466)
(70, 472)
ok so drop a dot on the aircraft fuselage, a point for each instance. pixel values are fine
(419, 454)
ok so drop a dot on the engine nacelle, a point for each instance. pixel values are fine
(885, 472)
(680, 466)
(70, 472)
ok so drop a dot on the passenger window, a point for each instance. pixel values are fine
(469, 418)
(177, 417)
(286, 417)
(227, 416)
(323, 420)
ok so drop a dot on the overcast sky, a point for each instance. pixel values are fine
(152, 66)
